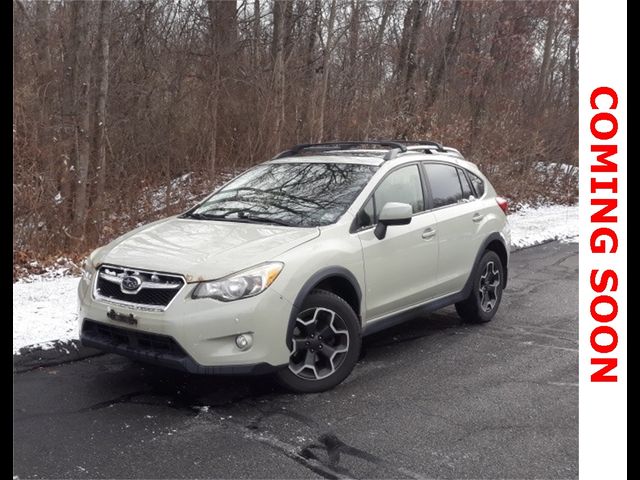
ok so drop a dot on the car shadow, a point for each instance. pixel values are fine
(421, 326)
(185, 390)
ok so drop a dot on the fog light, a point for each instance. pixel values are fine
(244, 341)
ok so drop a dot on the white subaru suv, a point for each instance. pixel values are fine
(285, 268)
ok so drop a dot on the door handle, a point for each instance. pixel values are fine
(429, 233)
(477, 217)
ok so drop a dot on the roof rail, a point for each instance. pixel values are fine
(430, 143)
(396, 147)
(454, 151)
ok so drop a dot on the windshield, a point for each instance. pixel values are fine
(293, 194)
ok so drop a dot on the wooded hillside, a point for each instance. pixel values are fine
(115, 99)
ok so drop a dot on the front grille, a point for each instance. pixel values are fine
(146, 297)
(150, 289)
(125, 339)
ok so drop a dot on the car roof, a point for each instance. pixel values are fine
(376, 158)
(352, 157)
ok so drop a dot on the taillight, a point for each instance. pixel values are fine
(503, 204)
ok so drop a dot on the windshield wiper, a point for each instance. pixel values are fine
(206, 216)
(240, 219)
(274, 221)
(197, 216)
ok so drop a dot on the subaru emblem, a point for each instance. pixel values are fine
(131, 283)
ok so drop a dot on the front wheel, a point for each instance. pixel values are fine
(325, 344)
(486, 292)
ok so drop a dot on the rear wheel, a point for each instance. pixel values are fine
(325, 344)
(486, 292)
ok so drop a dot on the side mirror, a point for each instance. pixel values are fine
(393, 213)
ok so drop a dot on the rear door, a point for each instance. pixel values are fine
(459, 219)
(400, 269)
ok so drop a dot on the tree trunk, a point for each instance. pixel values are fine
(213, 133)
(571, 143)
(287, 34)
(351, 89)
(102, 54)
(42, 130)
(401, 63)
(278, 20)
(82, 120)
(257, 32)
(546, 56)
(226, 26)
(376, 48)
(447, 55)
(488, 80)
(42, 36)
(313, 36)
(412, 64)
(310, 73)
(387, 9)
(573, 61)
(277, 52)
(68, 86)
(325, 70)
(214, 86)
(354, 33)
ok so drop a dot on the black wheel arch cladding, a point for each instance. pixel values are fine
(312, 282)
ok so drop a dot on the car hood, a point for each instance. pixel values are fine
(202, 249)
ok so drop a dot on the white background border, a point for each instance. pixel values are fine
(603, 406)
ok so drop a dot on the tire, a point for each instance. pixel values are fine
(325, 323)
(486, 291)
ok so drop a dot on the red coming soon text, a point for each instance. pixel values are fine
(604, 240)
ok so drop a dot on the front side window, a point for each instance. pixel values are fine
(293, 194)
(444, 183)
(366, 215)
(402, 185)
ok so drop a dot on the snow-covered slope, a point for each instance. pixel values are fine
(531, 226)
(44, 309)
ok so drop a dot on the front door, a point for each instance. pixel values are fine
(400, 269)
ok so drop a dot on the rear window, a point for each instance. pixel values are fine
(478, 184)
(466, 187)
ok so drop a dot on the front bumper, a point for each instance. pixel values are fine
(157, 349)
(193, 335)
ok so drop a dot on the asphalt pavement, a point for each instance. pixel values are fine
(432, 398)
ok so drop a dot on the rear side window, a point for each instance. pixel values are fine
(478, 184)
(466, 187)
(444, 183)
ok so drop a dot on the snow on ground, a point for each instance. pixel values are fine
(531, 226)
(44, 309)
(552, 167)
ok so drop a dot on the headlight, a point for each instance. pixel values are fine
(88, 269)
(240, 285)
